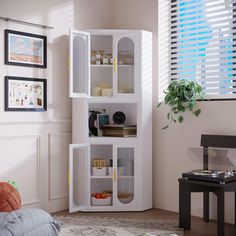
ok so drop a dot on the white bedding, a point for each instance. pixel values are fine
(28, 222)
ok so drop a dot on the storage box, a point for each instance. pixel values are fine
(101, 201)
(99, 171)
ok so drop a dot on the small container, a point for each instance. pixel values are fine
(98, 55)
(97, 91)
(110, 162)
(98, 62)
(110, 171)
(105, 60)
(99, 171)
(93, 57)
(110, 58)
(101, 201)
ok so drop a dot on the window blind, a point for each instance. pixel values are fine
(203, 44)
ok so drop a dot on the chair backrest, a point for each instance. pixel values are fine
(221, 141)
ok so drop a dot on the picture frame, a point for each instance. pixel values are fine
(25, 94)
(25, 49)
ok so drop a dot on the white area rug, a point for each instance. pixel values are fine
(104, 226)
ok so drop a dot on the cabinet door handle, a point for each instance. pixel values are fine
(115, 64)
(114, 175)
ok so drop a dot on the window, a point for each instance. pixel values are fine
(203, 44)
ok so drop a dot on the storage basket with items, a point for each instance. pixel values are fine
(101, 199)
(99, 167)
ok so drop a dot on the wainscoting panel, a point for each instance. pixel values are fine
(58, 165)
(20, 161)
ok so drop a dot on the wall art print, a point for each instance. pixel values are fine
(25, 49)
(25, 94)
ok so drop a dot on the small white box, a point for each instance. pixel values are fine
(110, 171)
(97, 91)
(101, 201)
(107, 92)
(99, 171)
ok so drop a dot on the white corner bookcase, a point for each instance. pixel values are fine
(124, 84)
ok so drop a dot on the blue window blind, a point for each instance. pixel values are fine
(203, 44)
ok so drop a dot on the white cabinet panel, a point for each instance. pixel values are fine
(20, 161)
(58, 165)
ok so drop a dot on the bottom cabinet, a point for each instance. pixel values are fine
(102, 177)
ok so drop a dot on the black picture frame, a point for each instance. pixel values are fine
(25, 94)
(25, 49)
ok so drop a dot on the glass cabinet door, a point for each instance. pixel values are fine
(125, 64)
(79, 64)
(125, 174)
(78, 176)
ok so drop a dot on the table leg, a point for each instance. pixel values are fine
(235, 209)
(220, 212)
(206, 206)
(184, 205)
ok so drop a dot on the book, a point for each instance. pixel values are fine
(119, 127)
(119, 133)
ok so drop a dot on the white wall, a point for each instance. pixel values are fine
(176, 149)
(33, 145)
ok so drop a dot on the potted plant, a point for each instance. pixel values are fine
(181, 96)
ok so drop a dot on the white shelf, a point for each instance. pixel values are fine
(101, 176)
(101, 99)
(100, 208)
(125, 66)
(107, 140)
(101, 66)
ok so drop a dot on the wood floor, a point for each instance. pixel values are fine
(198, 226)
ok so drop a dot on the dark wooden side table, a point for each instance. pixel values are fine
(196, 184)
(187, 186)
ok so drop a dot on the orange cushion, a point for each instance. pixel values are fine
(9, 198)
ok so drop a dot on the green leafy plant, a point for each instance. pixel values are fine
(181, 96)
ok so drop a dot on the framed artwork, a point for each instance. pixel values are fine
(24, 49)
(25, 94)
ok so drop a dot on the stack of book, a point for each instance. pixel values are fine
(119, 130)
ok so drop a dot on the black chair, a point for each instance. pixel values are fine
(188, 185)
